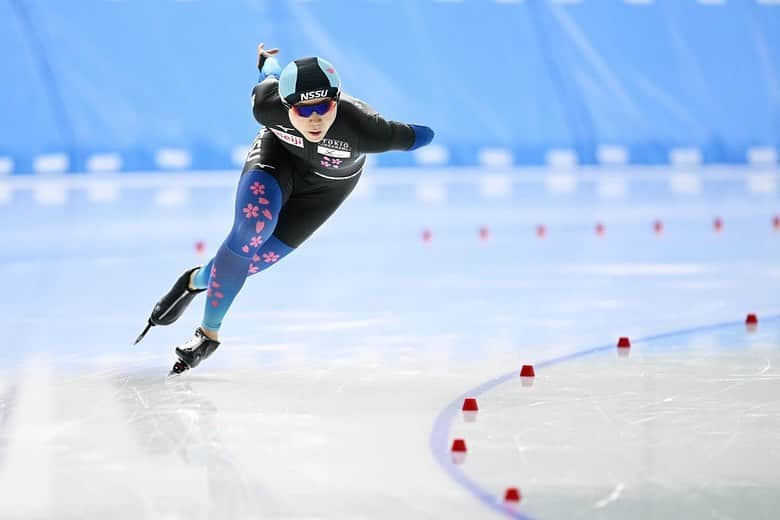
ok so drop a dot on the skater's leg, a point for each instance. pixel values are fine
(269, 253)
(258, 201)
(300, 216)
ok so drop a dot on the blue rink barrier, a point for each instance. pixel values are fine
(646, 76)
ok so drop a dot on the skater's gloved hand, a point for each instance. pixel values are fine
(266, 63)
(422, 135)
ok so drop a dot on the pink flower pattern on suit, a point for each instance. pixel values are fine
(257, 188)
(251, 211)
(270, 257)
(253, 269)
(212, 291)
(330, 162)
(256, 241)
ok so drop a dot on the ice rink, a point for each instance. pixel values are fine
(336, 392)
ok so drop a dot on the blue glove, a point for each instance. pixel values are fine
(268, 67)
(422, 135)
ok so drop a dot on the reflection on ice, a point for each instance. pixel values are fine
(169, 417)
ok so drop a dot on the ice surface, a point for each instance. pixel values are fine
(334, 393)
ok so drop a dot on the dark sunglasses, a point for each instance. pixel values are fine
(321, 108)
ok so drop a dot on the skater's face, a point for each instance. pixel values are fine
(314, 117)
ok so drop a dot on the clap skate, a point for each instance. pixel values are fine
(172, 305)
(193, 352)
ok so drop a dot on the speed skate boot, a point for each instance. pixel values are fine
(172, 305)
(193, 352)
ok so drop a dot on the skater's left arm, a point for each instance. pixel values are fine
(378, 134)
(265, 92)
(267, 63)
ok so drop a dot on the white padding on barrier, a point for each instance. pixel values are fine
(685, 157)
(432, 155)
(496, 157)
(51, 163)
(612, 155)
(104, 162)
(173, 158)
(6, 165)
(561, 158)
(762, 156)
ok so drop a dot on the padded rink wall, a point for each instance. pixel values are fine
(138, 85)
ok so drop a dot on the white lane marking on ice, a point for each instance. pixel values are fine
(612, 496)
(767, 368)
(25, 479)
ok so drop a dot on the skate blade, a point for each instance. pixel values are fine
(141, 336)
(178, 368)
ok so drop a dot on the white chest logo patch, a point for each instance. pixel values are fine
(330, 152)
(288, 138)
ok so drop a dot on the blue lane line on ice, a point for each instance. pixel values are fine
(439, 439)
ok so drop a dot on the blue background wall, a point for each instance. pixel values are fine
(133, 76)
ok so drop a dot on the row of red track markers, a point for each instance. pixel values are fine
(541, 231)
(600, 229)
(512, 495)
